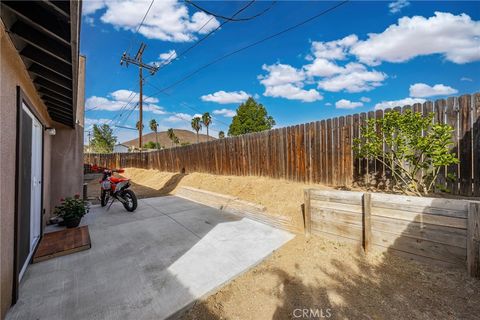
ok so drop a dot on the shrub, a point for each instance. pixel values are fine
(415, 148)
(71, 208)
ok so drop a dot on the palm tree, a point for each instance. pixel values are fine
(176, 140)
(221, 134)
(154, 128)
(197, 125)
(137, 125)
(171, 135)
(207, 120)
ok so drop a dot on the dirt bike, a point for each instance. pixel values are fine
(117, 188)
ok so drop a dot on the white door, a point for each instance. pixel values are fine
(35, 186)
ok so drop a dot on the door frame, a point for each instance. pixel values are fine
(22, 99)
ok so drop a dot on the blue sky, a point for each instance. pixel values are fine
(358, 57)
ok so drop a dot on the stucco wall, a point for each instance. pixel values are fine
(67, 151)
(13, 74)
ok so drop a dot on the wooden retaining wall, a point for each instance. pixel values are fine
(239, 207)
(318, 152)
(436, 230)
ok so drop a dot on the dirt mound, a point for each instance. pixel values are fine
(184, 136)
(280, 197)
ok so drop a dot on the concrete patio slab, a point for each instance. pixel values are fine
(145, 265)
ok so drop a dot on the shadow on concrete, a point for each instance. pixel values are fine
(146, 264)
(386, 286)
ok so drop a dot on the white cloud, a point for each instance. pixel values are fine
(89, 20)
(90, 6)
(422, 90)
(398, 103)
(224, 97)
(168, 20)
(168, 56)
(89, 122)
(119, 99)
(347, 104)
(365, 99)
(285, 81)
(292, 92)
(225, 112)
(322, 68)
(466, 79)
(398, 5)
(355, 78)
(181, 117)
(456, 37)
(328, 104)
(333, 50)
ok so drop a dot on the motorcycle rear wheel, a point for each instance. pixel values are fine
(104, 198)
(130, 198)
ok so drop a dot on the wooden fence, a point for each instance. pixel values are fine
(318, 152)
(435, 230)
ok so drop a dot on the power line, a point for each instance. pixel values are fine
(139, 26)
(216, 15)
(321, 13)
(185, 104)
(169, 60)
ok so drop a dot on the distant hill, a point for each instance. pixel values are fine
(183, 136)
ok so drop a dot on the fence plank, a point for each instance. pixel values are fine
(476, 143)
(465, 145)
(451, 114)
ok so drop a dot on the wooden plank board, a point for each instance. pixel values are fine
(476, 144)
(340, 229)
(63, 242)
(423, 248)
(473, 240)
(425, 231)
(335, 215)
(396, 201)
(451, 113)
(335, 205)
(421, 217)
(337, 195)
(465, 146)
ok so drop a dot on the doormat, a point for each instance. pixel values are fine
(61, 243)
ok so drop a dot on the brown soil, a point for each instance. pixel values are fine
(332, 279)
(280, 197)
(314, 275)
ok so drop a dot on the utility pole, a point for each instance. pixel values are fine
(137, 60)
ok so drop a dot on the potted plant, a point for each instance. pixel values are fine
(71, 210)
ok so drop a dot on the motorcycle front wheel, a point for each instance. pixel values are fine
(130, 198)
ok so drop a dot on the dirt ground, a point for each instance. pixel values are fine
(313, 278)
(280, 197)
(336, 282)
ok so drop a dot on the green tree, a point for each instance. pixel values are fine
(207, 120)
(152, 145)
(154, 128)
(415, 148)
(171, 135)
(221, 134)
(251, 117)
(176, 140)
(197, 125)
(103, 139)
